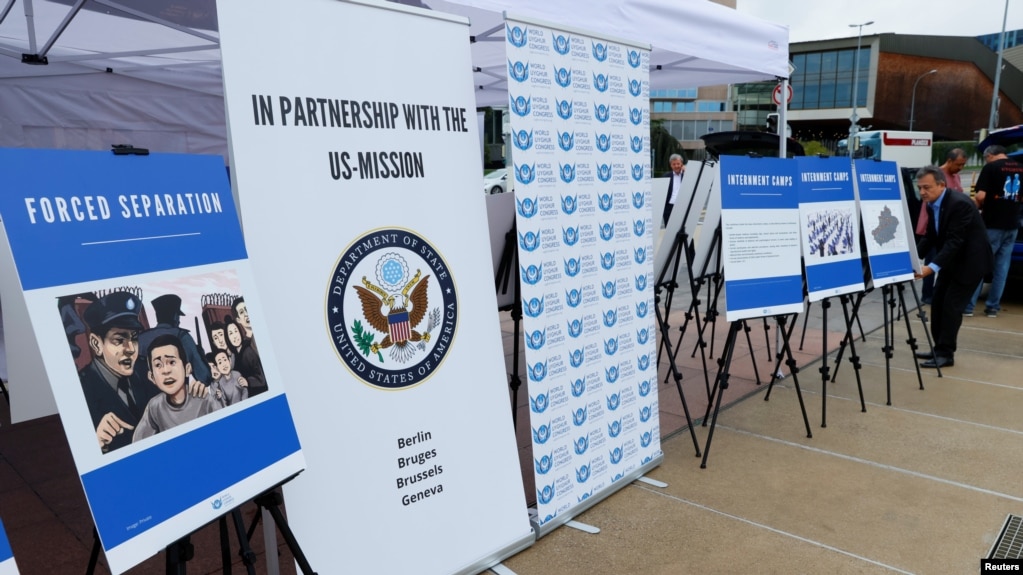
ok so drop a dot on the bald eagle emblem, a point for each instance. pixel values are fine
(396, 315)
(392, 308)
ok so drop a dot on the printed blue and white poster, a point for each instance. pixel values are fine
(7, 564)
(359, 185)
(831, 224)
(760, 237)
(580, 126)
(136, 280)
(887, 228)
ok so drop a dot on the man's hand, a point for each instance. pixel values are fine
(198, 389)
(242, 382)
(110, 427)
(924, 272)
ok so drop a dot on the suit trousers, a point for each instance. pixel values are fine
(947, 306)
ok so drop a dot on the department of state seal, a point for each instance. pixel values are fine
(392, 308)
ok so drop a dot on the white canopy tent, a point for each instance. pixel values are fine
(117, 74)
(695, 42)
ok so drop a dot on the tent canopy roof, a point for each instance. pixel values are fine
(153, 73)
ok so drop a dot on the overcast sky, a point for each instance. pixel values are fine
(824, 19)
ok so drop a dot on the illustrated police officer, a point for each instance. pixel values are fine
(115, 395)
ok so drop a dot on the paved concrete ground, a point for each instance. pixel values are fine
(921, 486)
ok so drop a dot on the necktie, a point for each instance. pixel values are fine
(124, 389)
(934, 216)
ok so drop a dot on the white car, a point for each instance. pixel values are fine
(496, 182)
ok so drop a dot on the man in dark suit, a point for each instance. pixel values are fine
(962, 256)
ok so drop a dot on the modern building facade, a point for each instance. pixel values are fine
(895, 85)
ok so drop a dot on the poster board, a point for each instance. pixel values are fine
(687, 215)
(887, 226)
(760, 237)
(93, 244)
(830, 227)
(369, 232)
(583, 189)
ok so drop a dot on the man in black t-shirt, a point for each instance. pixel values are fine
(998, 187)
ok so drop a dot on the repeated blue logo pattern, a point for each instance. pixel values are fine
(578, 113)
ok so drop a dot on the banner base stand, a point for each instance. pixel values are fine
(652, 482)
(500, 569)
(594, 499)
(584, 527)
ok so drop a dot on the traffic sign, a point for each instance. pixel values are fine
(776, 95)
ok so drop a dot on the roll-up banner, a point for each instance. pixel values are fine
(581, 131)
(130, 270)
(357, 166)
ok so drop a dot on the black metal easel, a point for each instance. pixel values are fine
(721, 381)
(506, 273)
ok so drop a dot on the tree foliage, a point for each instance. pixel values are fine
(662, 146)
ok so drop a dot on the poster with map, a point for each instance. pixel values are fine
(887, 227)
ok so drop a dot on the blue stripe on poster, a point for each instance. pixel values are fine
(834, 275)
(764, 292)
(139, 492)
(5, 546)
(889, 265)
(76, 216)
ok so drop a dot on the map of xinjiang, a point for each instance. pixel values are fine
(887, 226)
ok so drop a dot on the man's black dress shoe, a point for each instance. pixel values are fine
(924, 355)
(938, 361)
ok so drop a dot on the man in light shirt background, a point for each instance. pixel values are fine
(678, 169)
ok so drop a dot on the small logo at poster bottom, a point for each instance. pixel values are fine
(391, 308)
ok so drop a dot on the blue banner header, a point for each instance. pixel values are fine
(758, 183)
(878, 180)
(75, 216)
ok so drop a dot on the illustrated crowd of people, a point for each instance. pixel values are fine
(140, 382)
(830, 232)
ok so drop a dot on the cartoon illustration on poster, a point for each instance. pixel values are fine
(143, 371)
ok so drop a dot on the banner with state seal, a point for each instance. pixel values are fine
(357, 167)
(580, 134)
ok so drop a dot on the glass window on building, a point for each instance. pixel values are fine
(823, 80)
(710, 106)
(685, 106)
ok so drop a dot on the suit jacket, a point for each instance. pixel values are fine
(667, 199)
(963, 251)
(103, 399)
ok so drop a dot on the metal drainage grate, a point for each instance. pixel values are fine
(1010, 542)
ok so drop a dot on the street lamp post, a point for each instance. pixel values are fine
(854, 120)
(912, 104)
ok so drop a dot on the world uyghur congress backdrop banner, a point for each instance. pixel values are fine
(580, 131)
(358, 170)
(129, 269)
